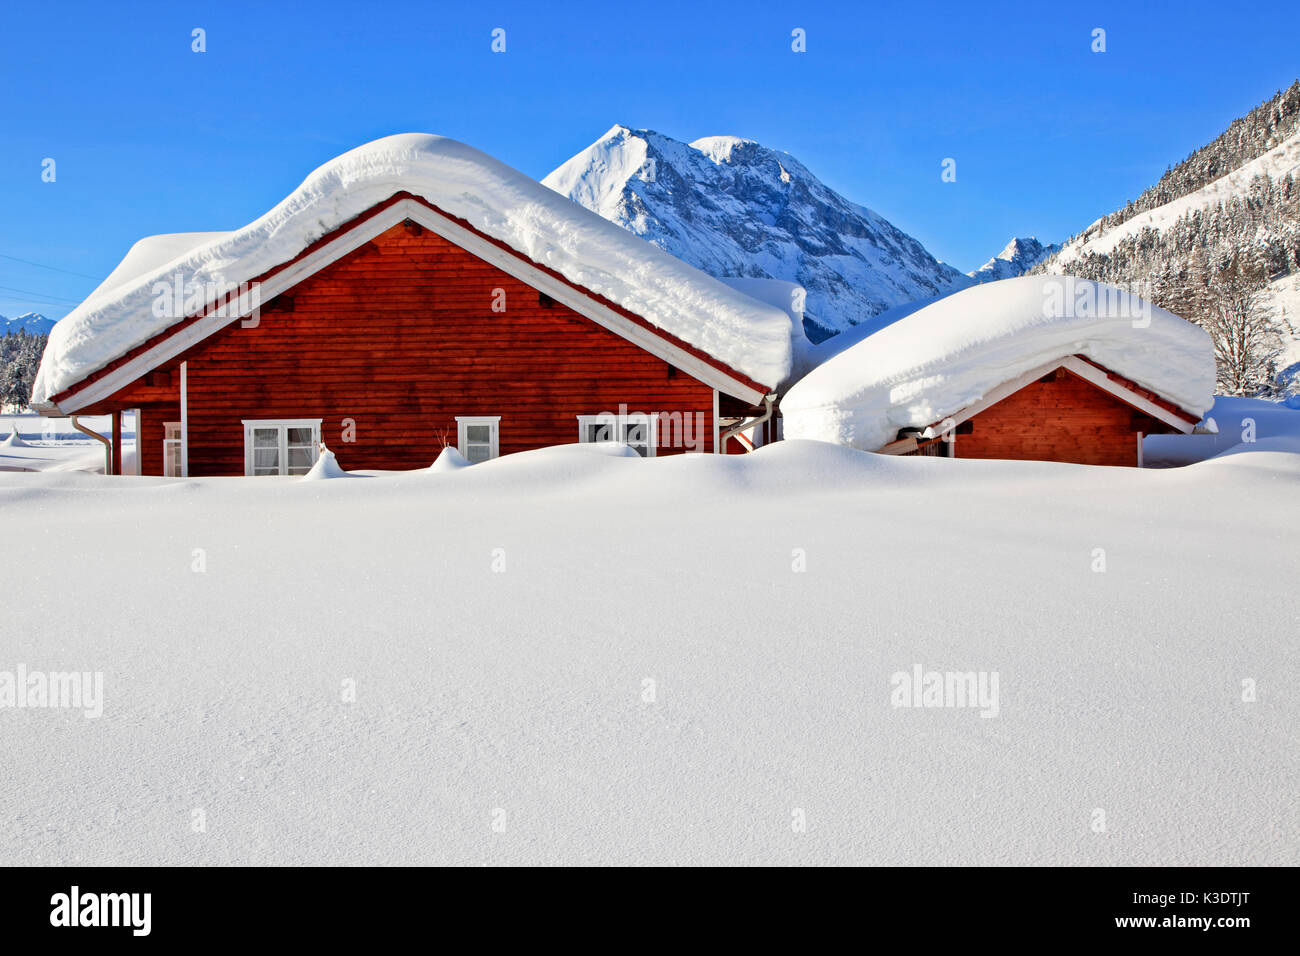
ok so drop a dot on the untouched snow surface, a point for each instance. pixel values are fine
(1244, 424)
(572, 656)
(939, 359)
(750, 336)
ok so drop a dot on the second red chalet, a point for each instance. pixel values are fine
(411, 294)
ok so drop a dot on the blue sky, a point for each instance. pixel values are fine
(150, 137)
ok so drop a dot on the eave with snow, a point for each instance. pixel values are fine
(407, 288)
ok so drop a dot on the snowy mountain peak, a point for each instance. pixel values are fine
(733, 207)
(31, 322)
(724, 149)
(1017, 248)
(1016, 258)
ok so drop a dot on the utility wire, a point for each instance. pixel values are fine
(39, 295)
(41, 265)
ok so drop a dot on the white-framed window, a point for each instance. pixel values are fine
(638, 429)
(281, 447)
(478, 436)
(171, 449)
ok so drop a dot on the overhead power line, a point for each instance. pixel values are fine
(39, 295)
(41, 265)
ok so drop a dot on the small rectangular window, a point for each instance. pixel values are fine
(281, 447)
(478, 437)
(600, 431)
(172, 449)
(640, 430)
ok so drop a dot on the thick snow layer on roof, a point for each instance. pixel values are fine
(827, 349)
(147, 255)
(749, 336)
(789, 297)
(951, 353)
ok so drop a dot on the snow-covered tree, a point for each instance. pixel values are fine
(20, 357)
(1247, 336)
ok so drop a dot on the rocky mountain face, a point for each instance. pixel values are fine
(733, 207)
(1016, 258)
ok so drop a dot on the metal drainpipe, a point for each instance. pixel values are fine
(768, 401)
(108, 445)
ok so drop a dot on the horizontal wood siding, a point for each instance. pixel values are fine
(1061, 419)
(150, 434)
(400, 337)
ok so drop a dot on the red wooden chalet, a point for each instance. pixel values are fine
(401, 331)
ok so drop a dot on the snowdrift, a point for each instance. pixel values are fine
(327, 466)
(500, 625)
(943, 357)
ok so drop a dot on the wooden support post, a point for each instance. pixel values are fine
(117, 441)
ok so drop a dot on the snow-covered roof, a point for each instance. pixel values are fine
(748, 336)
(789, 297)
(951, 353)
(149, 254)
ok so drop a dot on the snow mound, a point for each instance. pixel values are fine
(610, 449)
(327, 466)
(549, 229)
(449, 459)
(949, 354)
(14, 440)
(1240, 424)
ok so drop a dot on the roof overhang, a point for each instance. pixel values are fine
(353, 235)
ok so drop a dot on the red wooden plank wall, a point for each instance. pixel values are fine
(1063, 419)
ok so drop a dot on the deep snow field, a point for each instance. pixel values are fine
(500, 623)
